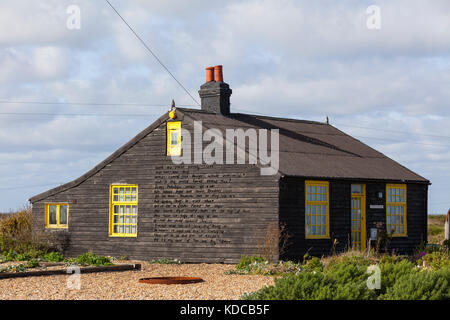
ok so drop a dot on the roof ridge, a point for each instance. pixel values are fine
(254, 115)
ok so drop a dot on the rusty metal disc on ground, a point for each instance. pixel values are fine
(171, 280)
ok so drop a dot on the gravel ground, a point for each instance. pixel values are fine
(125, 285)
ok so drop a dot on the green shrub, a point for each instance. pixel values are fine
(423, 285)
(90, 258)
(313, 264)
(435, 230)
(53, 257)
(16, 234)
(436, 260)
(33, 263)
(246, 261)
(314, 286)
(391, 272)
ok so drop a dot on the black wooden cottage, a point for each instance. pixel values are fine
(330, 190)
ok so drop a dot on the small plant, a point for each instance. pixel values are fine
(16, 268)
(313, 264)
(33, 263)
(274, 242)
(90, 258)
(245, 261)
(53, 257)
(435, 260)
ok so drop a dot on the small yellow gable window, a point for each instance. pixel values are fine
(174, 138)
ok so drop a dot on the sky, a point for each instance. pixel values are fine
(388, 86)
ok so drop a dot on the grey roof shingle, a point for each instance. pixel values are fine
(316, 149)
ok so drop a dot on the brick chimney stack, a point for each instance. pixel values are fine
(214, 93)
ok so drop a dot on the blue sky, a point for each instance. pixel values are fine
(390, 87)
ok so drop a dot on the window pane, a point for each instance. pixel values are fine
(133, 229)
(356, 188)
(174, 138)
(308, 220)
(52, 214)
(63, 214)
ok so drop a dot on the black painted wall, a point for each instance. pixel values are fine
(195, 213)
(292, 213)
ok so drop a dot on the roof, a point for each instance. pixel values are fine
(307, 149)
(316, 149)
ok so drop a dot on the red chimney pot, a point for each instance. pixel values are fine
(218, 76)
(209, 74)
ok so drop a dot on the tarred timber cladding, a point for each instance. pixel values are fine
(196, 213)
(292, 213)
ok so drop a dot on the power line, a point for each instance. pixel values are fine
(90, 103)
(30, 186)
(152, 53)
(77, 114)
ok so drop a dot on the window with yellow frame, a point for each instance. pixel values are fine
(174, 138)
(57, 215)
(123, 211)
(317, 209)
(396, 209)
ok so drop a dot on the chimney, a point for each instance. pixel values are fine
(214, 93)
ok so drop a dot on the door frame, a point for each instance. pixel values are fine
(362, 196)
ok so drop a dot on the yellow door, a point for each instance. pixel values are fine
(358, 217)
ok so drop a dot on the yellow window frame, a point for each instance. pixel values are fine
(314, 202)
(124, 200)
(58, 225)
(174, 127)
(396, 210)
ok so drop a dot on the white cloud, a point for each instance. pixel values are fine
(304, 59)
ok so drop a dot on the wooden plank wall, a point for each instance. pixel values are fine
(292, 213)
(195, 213)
